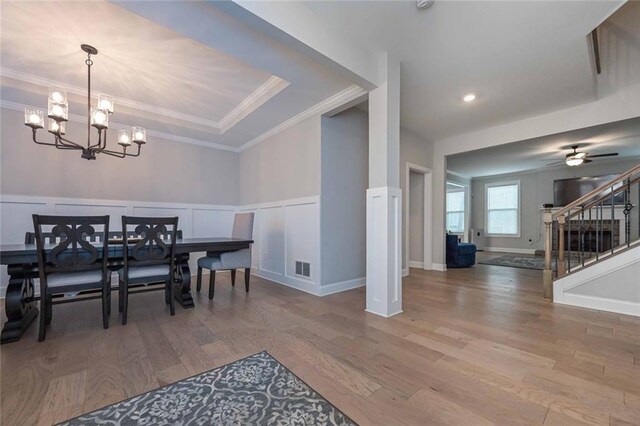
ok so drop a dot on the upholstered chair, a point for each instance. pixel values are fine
(72, 258)
(242, 229)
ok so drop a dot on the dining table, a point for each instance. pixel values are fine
(21, 302)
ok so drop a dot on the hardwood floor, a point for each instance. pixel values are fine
(474, 346)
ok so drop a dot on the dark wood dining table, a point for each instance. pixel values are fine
(22, 266)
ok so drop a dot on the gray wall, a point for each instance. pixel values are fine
(344, 182)
(164, 172)
(283, 166)
(415, 150)
(536, 188)
(416, 217)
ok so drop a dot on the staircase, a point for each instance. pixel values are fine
(592, 248)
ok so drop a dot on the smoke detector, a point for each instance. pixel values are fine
(423, 4)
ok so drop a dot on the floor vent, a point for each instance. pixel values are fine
(303, 269)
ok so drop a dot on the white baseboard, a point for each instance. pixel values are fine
(439, 267)
(600, 303)
(405, 272)
(339, 287)
(416, 264)
(510, 250)
(299, 284)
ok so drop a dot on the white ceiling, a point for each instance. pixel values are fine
(161, 77)
(521, 58)
(622, 137)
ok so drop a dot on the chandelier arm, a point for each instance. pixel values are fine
(97, 147)
(56, 144)
(67, 141)
(41, 143)
(113, 153)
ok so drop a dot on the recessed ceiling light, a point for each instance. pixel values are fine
(470, 97)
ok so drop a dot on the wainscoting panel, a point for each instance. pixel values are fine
(212, 222)
(286, 231)
(15, 219)
(271, 234)
(300, 220)
(115, 212)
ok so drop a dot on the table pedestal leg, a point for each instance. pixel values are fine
(20, 304)
(182, 290)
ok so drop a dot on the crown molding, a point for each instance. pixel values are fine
(256, 99)
(113, 125)
(329, 104)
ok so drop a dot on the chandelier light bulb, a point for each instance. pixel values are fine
(58, 110)
(124, 137)
(34, 118)
(105, 103)
(99, 118)
(58, 95)
(55, 127)
(139, 134)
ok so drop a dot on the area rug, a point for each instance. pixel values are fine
(516, 262)
(256, 390)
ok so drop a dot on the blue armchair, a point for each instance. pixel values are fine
(460, 255)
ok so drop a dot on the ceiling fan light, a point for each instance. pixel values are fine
(580, 155)
(574, 161)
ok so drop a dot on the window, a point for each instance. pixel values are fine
(503, 205)
(455, 210)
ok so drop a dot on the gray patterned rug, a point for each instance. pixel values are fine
(256, 390)
(516, 262)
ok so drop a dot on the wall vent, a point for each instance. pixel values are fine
(303, 269)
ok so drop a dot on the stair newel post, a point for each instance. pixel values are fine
(561, 241)
(547, 289)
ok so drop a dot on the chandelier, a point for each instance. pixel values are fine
(97, 117)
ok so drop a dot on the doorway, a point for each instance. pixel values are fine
(418, 201)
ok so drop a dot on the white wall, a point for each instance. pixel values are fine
(413, 150)
(283, 166)
(345, 149)
(536, 188)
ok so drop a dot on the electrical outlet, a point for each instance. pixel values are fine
(530, 241)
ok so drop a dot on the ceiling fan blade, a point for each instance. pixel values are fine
(551, 159)
(587, 161)
(610, 154)
(555, 162)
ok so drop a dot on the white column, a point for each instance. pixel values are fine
(384, 198)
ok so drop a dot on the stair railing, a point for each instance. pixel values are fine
(594, 226)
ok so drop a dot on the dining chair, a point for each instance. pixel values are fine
(72, 257)
(242, 229)
(149, 257)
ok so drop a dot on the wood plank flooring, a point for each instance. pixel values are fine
(475, 346)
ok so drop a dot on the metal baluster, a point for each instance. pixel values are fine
(597, 234)
(568, 242)
(590, 233)
(556, 232)
(613, 213)
(627, 212)
(580, 238)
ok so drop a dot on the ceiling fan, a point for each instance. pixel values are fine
(577, 158)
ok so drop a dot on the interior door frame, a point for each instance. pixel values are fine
(427, 252)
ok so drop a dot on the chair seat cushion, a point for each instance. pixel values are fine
(145, 271)
(210, 262)
(465, 248)
(61, 279)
